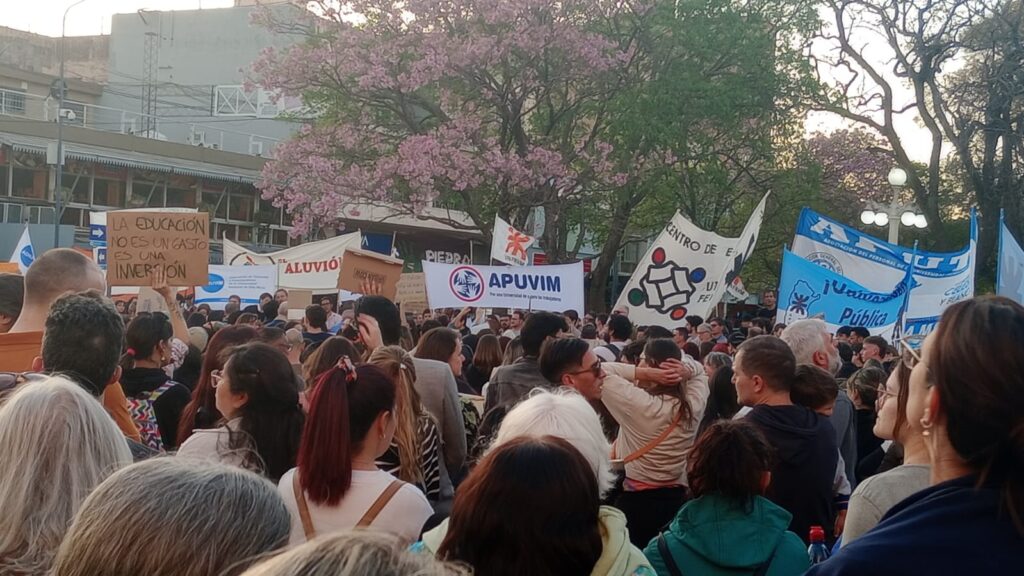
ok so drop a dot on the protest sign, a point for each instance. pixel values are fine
(686, 271)
(412, 289)
(555, 288)
(141, 242)
(297, 302)
(310, 266)
(807, 290)
(358, 266)
(10, 268)
(1010, 273)
(940, 279)
(246, 282)
(509, 245)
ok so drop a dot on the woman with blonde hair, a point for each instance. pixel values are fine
(415, 452)
(354, 553)
(58, 444)
(174, 517)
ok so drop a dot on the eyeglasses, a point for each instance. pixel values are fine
(594, 369)
(884, 394)
(216, 377)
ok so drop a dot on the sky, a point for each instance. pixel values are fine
(92, 17)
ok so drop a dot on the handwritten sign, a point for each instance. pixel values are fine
(412, 287)
(359, 265)
(138, 243)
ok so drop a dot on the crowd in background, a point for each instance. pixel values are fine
(360, 440)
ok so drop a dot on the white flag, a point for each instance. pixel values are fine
(24, 255)
(686, 271)
(509, 245)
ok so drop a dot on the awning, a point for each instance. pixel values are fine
(129, 159)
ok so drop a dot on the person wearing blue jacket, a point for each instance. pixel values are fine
(968, 397)
(729, 528)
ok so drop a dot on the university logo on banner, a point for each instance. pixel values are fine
(807, 290)
(940, 279)
(556, 288)
(509, 245)
(686, 271)
(1010, 272)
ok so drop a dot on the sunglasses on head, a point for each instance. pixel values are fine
(908, 352)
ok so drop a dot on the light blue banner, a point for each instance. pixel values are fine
(1010, 273)
(940, 278)
(808, 290)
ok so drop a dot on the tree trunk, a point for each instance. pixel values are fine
(599, 273)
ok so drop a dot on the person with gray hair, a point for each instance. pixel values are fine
(565, 414)
(174, 517)
(58, 444)
(811, 343)
(714, 361)
(355, 553)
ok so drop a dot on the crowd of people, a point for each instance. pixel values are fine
(358, 441)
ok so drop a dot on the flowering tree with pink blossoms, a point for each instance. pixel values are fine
(489, 106)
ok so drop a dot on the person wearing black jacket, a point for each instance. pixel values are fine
(806, 455)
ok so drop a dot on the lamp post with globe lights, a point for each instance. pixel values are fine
(896, 212)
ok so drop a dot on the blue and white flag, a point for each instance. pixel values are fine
(940, 278)
(807, 290)
(1010, 273)
(23, 254)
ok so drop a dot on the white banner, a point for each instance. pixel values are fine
(555, 288)
(246, 282)
(509, 245)
(1010, 270)
(312, 266)
(940, 278)
(686, 271)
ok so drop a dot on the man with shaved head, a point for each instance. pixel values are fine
(55, 273)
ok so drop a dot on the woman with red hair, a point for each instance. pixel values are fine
(337, 484)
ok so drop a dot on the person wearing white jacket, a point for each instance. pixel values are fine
(657, 429)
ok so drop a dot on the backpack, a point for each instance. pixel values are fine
(143, 410)
(615, 350)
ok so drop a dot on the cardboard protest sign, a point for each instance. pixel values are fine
(297, 302)
(359, 265)
(138, 243)
(412, 290)
(9, 268)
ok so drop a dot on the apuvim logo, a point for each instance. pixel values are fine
(216, 283)
(467, 284)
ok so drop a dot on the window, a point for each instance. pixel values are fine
(4, 171)
(181, 197)
(215, 202)
(280, 237)
(12, 213)
(245, 234)
(267, 214)
(147, 194)
(76, 187)
(30, 183)
(12, 102)
(240, 207)
(108, 192)
(73, 217)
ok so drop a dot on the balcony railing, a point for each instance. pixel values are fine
(18, 104)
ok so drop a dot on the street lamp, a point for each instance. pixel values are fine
(895, 213)
(62, 88)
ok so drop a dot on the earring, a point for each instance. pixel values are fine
(926, 425)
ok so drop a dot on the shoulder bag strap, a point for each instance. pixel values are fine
(300, 501)
(666, 556)
(653, 443)
(379, 504)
